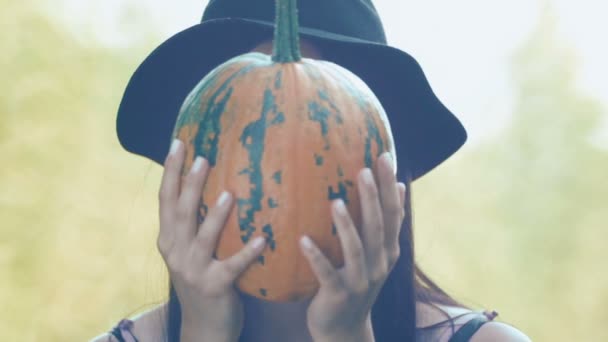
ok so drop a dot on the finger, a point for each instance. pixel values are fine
(325, 272)
(389, 199)
(209, 231)
(373, 230)
(169, 193)
(170, 182)
(401, 189)
(238, 263)
(190, 198)
(352, 248)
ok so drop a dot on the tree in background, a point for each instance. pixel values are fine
(532, 202)
(554, 190)
(65, 198)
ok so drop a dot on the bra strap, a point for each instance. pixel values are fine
(121, 329)
(467, 331)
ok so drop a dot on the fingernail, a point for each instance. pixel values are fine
(258, 242)
(368, 177)
(400, 188)
(388, 159)
(175, 146)
(340, 207)
(223, 199)
(306, 242)
(198, 164)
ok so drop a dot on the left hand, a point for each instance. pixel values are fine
(341, 308)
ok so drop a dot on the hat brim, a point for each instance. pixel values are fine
(425, 132)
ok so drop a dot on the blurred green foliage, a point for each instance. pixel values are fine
(68, 189)
(521, 220)
(516, 224)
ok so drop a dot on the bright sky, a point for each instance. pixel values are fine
(463, 46)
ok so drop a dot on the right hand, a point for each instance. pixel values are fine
(205, 287)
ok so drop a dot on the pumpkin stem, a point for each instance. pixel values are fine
(286, 47)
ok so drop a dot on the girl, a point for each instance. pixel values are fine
(379, 294)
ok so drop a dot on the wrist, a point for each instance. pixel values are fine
(195, 331)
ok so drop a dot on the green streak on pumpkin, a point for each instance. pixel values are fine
(340, 171)
(318, 159)
(320, 114)
(323, 96)
(263, 292)
(270, 236)
(334, 231)
(373, 134)
(272, 203)
(278, 80)
(277, 177)
(361, 98)
(340, 193)
(189, 112)
(261, 259)
(278, 119)
(208, 120)
(253, 140)
(208, 135)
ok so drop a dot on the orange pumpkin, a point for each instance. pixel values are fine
(285, 136)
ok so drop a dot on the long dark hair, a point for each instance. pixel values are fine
(394, 313)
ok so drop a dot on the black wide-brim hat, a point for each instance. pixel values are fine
(348, 32)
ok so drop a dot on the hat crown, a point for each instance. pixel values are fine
(354, 18)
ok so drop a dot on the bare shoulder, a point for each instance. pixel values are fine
(499, 332)
(427, 315)
(147, 326)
